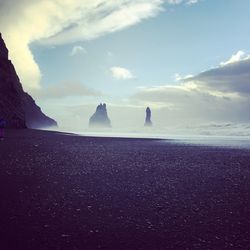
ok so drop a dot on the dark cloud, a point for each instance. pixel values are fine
(218, 94)
(231, 78)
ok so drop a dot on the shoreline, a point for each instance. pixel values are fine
(76, 192)
(198, 140)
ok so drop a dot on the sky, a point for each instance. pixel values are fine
(189, 60)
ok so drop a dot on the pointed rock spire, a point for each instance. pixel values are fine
(100, 117)
(148, 122)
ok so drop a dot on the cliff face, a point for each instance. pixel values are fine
(35, 118)
(17, 108)
(100, 117)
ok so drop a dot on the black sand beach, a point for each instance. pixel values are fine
(70, 192)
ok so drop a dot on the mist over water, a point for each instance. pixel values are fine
(214, 134)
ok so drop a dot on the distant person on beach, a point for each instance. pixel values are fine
(2, 126)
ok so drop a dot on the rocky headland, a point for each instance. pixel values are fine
(17, 107)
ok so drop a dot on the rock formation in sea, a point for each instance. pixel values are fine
(148, 122)
(17, 107)
(100, 117)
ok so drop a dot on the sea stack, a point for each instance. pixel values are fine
(17, 107)
(148, 122)
(100, 117)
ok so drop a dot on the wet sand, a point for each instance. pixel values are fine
(70, 192)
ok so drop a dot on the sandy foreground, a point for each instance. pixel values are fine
(70, 192)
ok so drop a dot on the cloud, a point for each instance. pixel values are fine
(107, 17)
(76, 50)
(190, 106)
(178, 77)
(239, 56)
(172, 96)
(55, 22)
(63, 90)
(221, 94)
(191, 2)
(232, 77)
(120, 73)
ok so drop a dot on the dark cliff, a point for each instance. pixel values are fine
(17, 107)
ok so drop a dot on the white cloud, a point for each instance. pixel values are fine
(76, 50)
(190, 2)
(55, 22)
(239, 56)
(107, 17)
(121, 73)
(178, 77)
